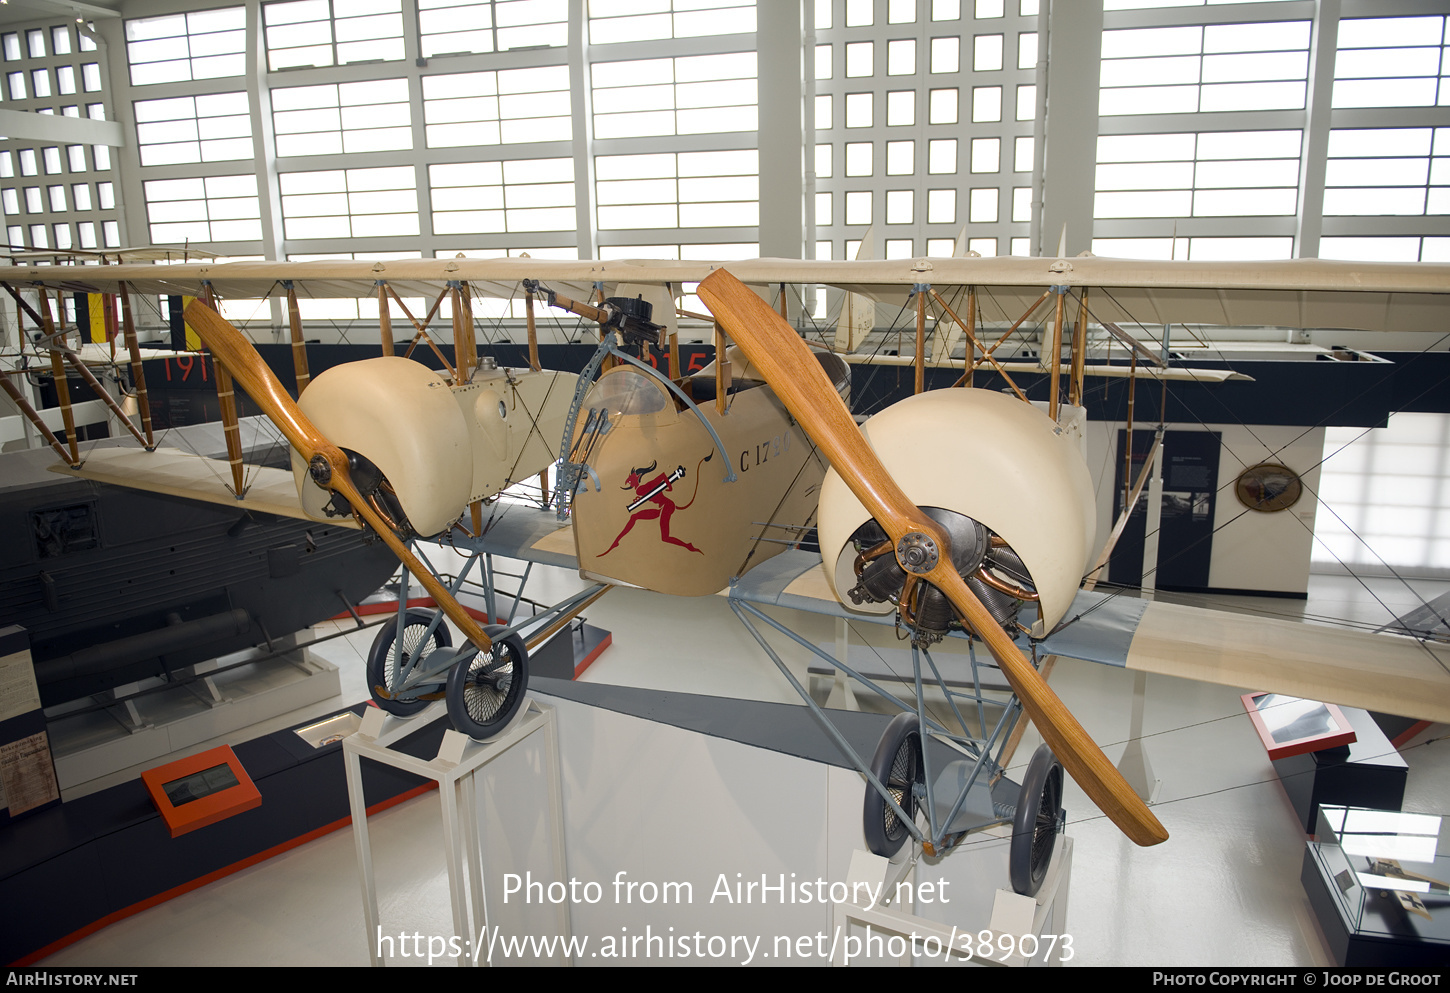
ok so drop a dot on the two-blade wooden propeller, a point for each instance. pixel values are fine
(922, 547)
(327, 464)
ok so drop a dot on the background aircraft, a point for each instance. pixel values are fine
(116, 584)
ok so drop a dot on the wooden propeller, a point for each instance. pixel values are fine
(326, 462)
(922, 547)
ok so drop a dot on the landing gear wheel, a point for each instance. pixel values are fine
(897, 764)
(484, 692)
(1034, 830)
(384, 664)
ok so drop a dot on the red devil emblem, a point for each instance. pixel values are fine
(653, 492)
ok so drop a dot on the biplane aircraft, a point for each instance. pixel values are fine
(960, 512)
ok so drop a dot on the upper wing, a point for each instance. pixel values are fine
(339, 278)
(1299, 293)
(1371, 296)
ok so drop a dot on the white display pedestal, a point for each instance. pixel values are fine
(459, 759)
(1013, 917)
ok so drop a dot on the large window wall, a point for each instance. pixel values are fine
(1256, 129)
(57, 193)
(281, 128)
(1385, 497)
(924, 115)
(443, 126)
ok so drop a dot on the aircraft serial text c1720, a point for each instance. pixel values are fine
(691, 484)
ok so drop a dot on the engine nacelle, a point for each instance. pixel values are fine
(998, 461)
(438, 446)
(402, 417)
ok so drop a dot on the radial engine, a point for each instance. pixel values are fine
(1008, 487)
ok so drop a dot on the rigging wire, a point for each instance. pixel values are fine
(893, 326)
(1273, 452)
(1403, 581)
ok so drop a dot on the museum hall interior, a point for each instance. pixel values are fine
(725, 482)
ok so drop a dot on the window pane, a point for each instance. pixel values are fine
(987, 53)
(945, 54)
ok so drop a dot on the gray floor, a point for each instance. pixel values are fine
(1224, 890)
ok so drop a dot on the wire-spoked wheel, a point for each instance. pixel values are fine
(897, 764)
(386, 663)
(1034, 829)
(485, 691)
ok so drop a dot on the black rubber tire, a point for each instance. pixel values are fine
(381, 668)
(1034, 829)
(897, 764)
(485, 691)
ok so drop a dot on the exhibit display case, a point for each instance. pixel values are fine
(1377, 880)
